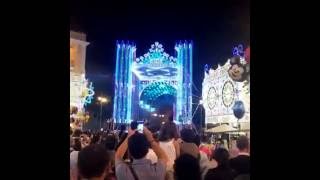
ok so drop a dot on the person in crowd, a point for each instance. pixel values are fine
(73, 162)
(94, 162)
(167, 141)
(76, 147)
(71, 141)
(110, 142)
(140, 168)
(85, 140)
(190, 145)
(151, 155)
(223, 171)
(241, 163)
(95, 139)
(122, 133)
(234, 151)
(187, 167)
(77, 133)
(204, 147)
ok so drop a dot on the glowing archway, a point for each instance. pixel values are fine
(141, 80)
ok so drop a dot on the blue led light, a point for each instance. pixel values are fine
(238, 51)
(90, 94)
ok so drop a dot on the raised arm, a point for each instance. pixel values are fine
(155, 146)
(124, 146)
(177, 147)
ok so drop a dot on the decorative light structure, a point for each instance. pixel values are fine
(139, 81)
(81, 90)
(220, 92)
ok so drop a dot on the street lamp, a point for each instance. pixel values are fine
(102, 100)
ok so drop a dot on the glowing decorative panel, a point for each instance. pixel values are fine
(81, 91)
(219, 92)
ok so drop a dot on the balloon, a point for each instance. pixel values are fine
(238, 109)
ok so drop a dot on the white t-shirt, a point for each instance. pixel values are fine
(152, 156)
(168, 148)
(73, 164)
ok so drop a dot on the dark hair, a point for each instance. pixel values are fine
(242, 143)
(95, 138)
(77, 144)
(134, 125)
(123, 127)
(138, 145)
(187, 167)
(93, 161)
(168, 131)
(110, 142)
(77, 133)
(170, 118)
(204, 138)
(197, 140)
(221, 155)
(188, 135)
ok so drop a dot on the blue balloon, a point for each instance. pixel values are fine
(238, 109)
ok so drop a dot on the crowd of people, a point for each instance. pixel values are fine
(168, 154)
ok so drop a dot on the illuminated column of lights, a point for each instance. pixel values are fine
(180, 80)
(119, 82)
(184, 94)
(135, 94)
(185, 81)
(119, 99)
(190, 78)
(122, 75)
(123, 83)
(129, 82)
(116, 85)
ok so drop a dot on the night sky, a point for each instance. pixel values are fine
(214, 27)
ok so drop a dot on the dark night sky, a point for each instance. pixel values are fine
(214, 27)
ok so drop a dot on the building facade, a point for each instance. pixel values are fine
(81, 90)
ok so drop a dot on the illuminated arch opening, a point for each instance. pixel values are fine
(155, 90)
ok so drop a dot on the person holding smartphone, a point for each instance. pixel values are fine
(140, 168)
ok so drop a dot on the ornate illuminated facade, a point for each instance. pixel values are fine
(139, 81)
(219, 93)
(81, 91)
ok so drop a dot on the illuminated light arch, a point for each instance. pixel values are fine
(156, 89)
(142, 77)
